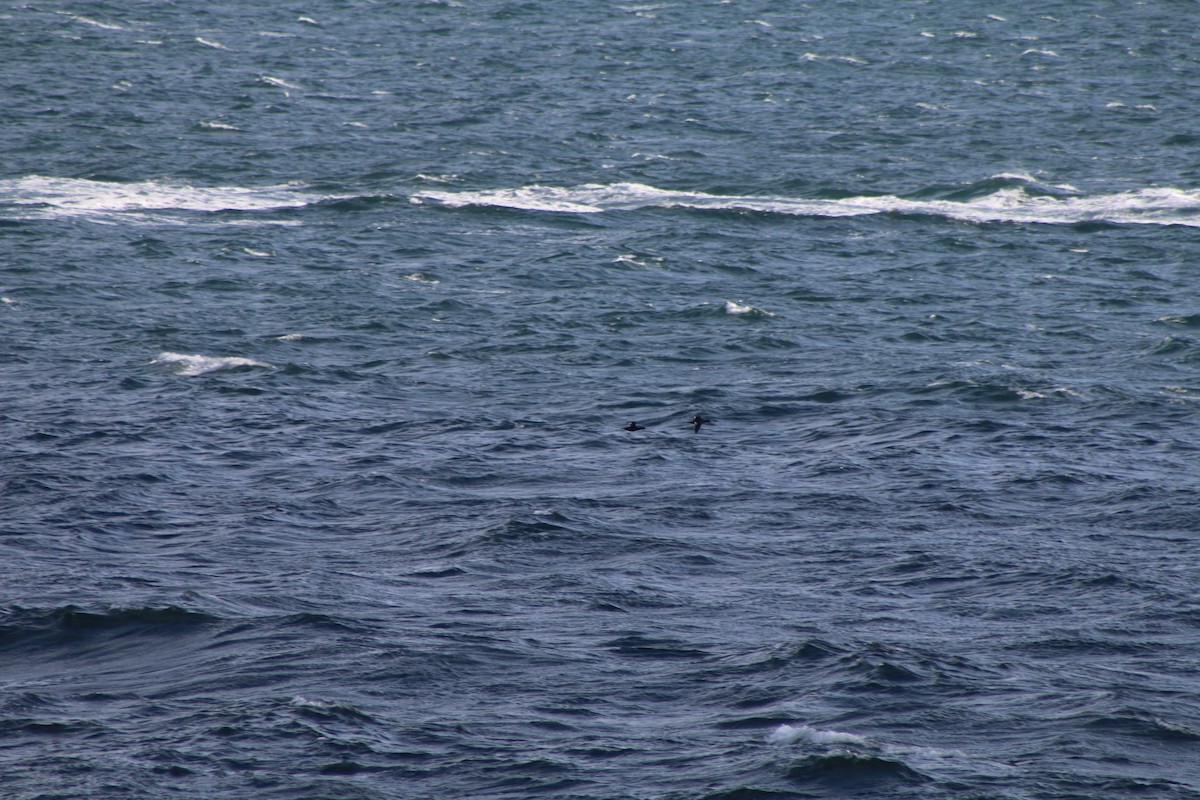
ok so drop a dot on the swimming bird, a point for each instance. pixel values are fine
(697, 421)
(633, 426)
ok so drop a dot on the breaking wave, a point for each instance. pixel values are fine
(80, 197)
(191, 364)
(1001, 198)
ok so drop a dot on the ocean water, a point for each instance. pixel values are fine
(320, 323)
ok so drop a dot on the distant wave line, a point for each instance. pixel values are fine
(1001, 198)
(1006, 198)
(78, 196)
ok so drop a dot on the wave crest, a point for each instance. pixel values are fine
(195, 364)
(81, 197)
(1001, 198)
(791, 734)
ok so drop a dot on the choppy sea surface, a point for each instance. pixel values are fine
(321, 322)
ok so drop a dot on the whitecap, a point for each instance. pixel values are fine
(737, 309)
(108, 26)
(791, 734)
(1026, 178)
(839, 59)
(192, 364)
(645, 262)
(211, 43)
(1015, 204)
(77, 196)
(299, 701)
(323, 707)
(280, 82)
(595, 198)
(533, 198)
(1182, 393)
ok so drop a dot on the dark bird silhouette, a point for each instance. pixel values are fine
(633, 426)
(697, 421)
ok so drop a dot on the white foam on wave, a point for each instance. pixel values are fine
(448, 177)
(791, 734)
(1152, 206)
(853, 60)
(594, 198)
(1026, 178)
(280, 82)
(77, 196)
(923, 758)
(108, 26)
(644, 262)
(300, 701)
(191, 364)
(420, 277)
(737, 309)
(529, 198)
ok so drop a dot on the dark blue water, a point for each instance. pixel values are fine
(321, 324)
